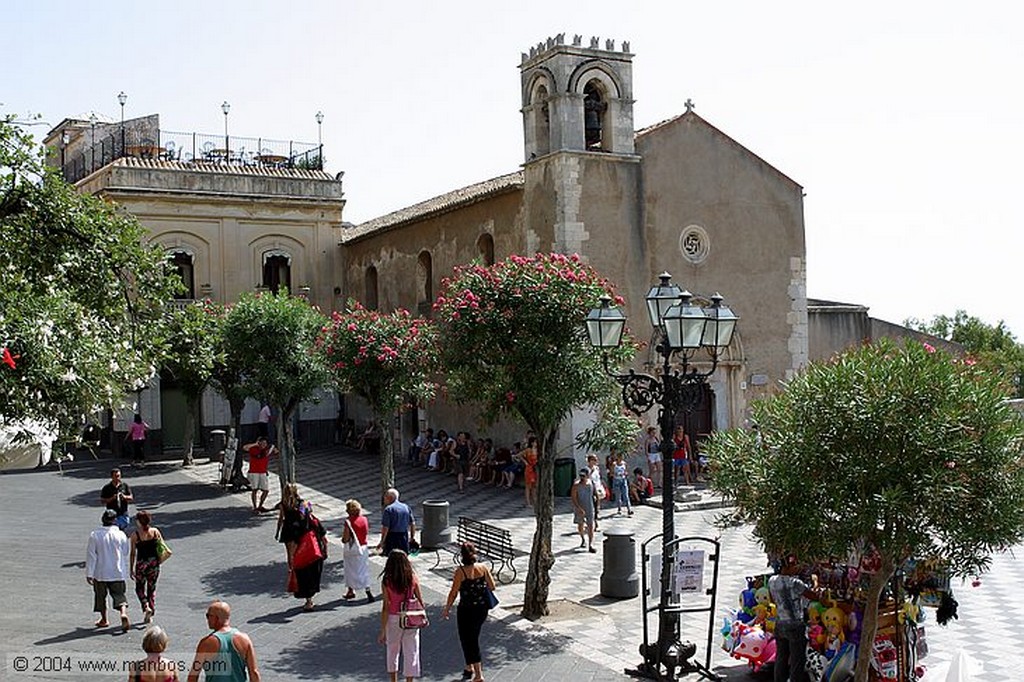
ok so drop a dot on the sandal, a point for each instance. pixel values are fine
(125, 624)
(102, 623)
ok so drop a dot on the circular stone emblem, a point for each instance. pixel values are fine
(694, 244)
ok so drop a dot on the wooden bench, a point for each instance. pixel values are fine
(492, 543)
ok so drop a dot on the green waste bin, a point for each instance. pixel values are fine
(565, 472)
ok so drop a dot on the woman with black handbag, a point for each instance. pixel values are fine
(402, 615)
(474, 585)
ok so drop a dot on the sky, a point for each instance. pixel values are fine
(901, 120)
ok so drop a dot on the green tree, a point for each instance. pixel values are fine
(512, 340)
(190, 354)
(388, 360)
(614, 428)
(994, 347)
(81, 300)
(900, 448)
(274, 337)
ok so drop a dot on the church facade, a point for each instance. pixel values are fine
(678, 196)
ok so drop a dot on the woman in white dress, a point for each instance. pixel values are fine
(356, 553)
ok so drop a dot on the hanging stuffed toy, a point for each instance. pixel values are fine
(747, 603)
(815, 630)
(834, 622)
(947, 609)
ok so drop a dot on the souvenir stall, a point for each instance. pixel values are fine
(834, 621)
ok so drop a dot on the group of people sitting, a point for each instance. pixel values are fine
(470, 460)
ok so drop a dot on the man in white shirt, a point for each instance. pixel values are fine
(263, 422)
(106, 568)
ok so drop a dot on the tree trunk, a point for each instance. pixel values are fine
(286, 443)
(387, 456)
(538, 577)
(191, 407)
(870, 625)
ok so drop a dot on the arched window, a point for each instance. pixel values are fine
(370, 288)
(542, 121)
(277, 270)
(181, 263)
(425, 278)
(485, 244)
(594, 108)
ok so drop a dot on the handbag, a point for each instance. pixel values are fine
(308, 552)
(163, 551)
(293, 582)
(492, 599)
(413, 615)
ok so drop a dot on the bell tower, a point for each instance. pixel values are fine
(577, 98)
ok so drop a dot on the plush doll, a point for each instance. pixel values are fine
(753, 644)
(747, 603)
(816, 635)
(763, 607)
(834, 621)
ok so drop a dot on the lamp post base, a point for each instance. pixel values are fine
(675, 663)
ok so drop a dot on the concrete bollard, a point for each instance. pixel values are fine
(619, 579)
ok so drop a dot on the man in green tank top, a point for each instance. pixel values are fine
(226, 654)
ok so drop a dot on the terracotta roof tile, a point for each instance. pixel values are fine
(439, 204)
(220, 168)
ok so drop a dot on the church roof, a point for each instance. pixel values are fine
(438, 205)
(690, 115)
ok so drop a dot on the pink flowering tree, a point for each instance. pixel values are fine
(513, 341)
(900, 448)
(386, 359)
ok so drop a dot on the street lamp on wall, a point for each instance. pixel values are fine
(226, 108)
(65, 140)
(682, 329)
(121, 99)
(92, 122)
(320, 139)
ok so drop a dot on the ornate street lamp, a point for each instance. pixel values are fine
(65, 139)
(226, 108)
(682, 328)
(121, 99)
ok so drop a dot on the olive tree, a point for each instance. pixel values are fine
(903, 449)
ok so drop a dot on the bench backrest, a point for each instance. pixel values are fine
(488, 539)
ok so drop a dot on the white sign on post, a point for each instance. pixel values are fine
(689, 571)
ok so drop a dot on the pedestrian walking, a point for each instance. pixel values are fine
(470, 583)
(137, 436)
(600, 492)
(652, 446)
(263, 422)
(154, 667)
(356, 553)
(398, 524)
(620, 483)
(226, 654)
(295, 519)
(584, 507)
(398, 585)
(116, 496)
(144, 562)
(106, 569)
(681, 455)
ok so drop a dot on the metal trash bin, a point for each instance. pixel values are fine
(619, 579)
(565, 474)
(435, 531)
(218, 441)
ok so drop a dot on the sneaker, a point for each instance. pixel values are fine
(629, 513)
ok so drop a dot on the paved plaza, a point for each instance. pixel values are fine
(222, 551)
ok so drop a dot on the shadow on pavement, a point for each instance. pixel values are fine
(265, 579)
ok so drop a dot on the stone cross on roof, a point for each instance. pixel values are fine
(688, 104)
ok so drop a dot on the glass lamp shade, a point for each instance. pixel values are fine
(685, 324)
(605, 325)
(225, 107)
(721, 324)
(660, 298)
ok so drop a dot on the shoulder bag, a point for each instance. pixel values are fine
(308, 552)
(413, 615)
(163, 551)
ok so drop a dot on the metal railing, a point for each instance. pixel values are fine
(192, 148)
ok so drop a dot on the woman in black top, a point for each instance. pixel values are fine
(293, 522)
(144, 563)
(471, 582)
(463, 450)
